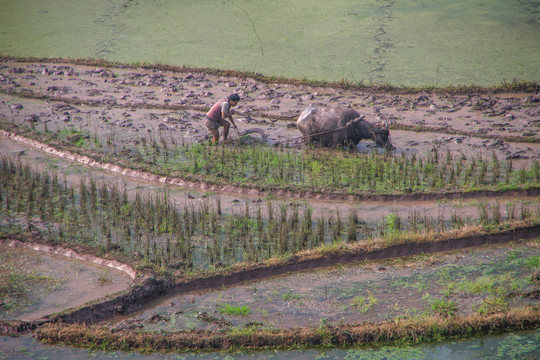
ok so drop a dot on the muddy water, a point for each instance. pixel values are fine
(374, 291)
(518, 345)
(412, 42)
(52, 283)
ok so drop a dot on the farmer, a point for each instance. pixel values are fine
(217, 114)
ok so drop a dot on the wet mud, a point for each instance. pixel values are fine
(56, 279)
(128, 102)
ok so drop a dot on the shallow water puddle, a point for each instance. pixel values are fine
(49, 283)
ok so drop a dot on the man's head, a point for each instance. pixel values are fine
(233, 99)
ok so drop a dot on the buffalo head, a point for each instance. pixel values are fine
(365, 130)
(382, 138)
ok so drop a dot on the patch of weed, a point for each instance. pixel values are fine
(443, 307)
(492, 305)
(240, 310)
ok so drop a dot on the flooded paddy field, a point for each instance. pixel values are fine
(40, 284)
(445, 284)
(418, 43)
(371, 212)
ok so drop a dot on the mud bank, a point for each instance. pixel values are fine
(297, 263)
(113, 264)
(405, 331)
(148, 287)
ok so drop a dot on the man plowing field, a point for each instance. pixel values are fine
(215, 117)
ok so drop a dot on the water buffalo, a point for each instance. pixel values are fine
(336, 126)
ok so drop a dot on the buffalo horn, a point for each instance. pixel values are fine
(361, 117)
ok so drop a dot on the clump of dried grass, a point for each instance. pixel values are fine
(399, 331)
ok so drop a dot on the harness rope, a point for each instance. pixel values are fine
(320, 133)
(323, 132)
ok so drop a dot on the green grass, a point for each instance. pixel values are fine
(491, 305)
(234, 310)
(289, 295)
(533, 262)
(364, 303)
(405, 43)
(482, 284)
(444, 308)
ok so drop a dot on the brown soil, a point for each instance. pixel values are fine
(131, 101)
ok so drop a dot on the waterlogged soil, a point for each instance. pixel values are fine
(464, 282)
(40, 284)
(121, 106)
(518, 345)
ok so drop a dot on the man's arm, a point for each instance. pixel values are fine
(226, 112)
(231, 120)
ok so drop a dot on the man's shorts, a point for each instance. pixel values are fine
(211, 124)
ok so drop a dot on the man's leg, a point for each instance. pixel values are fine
(226, 131)
(215, 135)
